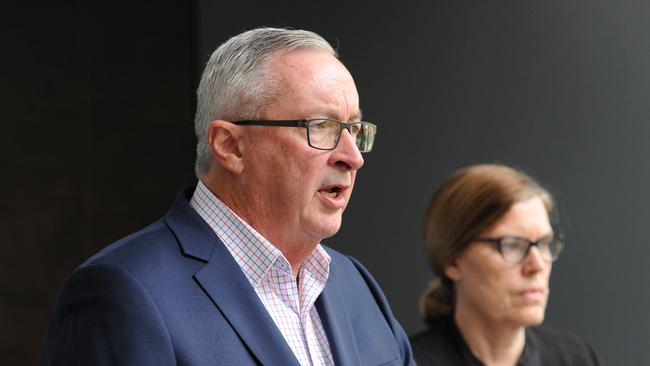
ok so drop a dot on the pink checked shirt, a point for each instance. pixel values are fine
(289, 302)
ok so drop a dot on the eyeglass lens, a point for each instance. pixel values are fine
(515, 249)
(325, 134)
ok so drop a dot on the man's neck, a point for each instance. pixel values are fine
(493, 344)
(295, 249)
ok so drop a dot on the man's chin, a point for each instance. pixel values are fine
(325, 227)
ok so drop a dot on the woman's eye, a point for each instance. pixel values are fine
(512, 245)
(509, 246)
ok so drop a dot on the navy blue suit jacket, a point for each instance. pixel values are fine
(171, 294)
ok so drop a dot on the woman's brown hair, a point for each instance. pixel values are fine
(467, 204)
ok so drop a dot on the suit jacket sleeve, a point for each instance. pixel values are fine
(400, 336)
(103, 316)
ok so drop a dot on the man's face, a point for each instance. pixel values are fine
(298, 193)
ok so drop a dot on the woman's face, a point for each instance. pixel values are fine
(498, 291)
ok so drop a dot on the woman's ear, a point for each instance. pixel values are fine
(223, 137)
(451, 270)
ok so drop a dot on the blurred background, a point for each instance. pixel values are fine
(97, 137)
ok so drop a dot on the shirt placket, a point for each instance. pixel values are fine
(308, 289)
(289, 295)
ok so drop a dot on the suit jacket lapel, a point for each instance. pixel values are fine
(225, 283)
(336, 322)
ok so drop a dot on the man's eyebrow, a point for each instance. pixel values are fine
(335, 113)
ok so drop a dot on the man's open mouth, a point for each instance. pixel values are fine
(332, 191)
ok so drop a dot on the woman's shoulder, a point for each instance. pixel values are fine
(555, 338)
(440, 345)
(560, 346)
(433, 347)
(439, 333)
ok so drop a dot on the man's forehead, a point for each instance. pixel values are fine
(303, 63)
(313, 83)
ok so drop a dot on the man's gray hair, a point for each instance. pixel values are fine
(236, 83)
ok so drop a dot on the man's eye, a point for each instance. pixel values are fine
(323, 125)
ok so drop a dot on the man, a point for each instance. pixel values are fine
(234, 273)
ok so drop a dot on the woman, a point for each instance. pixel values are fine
(491, 246)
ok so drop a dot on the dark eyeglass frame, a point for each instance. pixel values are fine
(306, 122)
(559, 238)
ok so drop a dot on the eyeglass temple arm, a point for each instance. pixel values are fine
(280, 123)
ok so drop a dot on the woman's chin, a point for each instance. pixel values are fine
(531, 317)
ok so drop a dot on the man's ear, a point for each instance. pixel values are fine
(223, 137)
(451, 270)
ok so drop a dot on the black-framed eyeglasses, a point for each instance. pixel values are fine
(323, 133)
(514, 248)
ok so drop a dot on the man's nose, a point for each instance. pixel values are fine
(346, 155)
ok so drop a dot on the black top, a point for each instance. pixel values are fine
(443, 345)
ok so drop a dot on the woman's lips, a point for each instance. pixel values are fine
(532, 294)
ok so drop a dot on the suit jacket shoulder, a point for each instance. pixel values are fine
(168, 294)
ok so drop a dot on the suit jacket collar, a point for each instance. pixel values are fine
(223, 281)
(195, 237)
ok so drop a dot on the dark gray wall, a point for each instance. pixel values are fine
(558, 88)
(96, 139)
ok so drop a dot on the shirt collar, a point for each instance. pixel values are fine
(255, 254)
